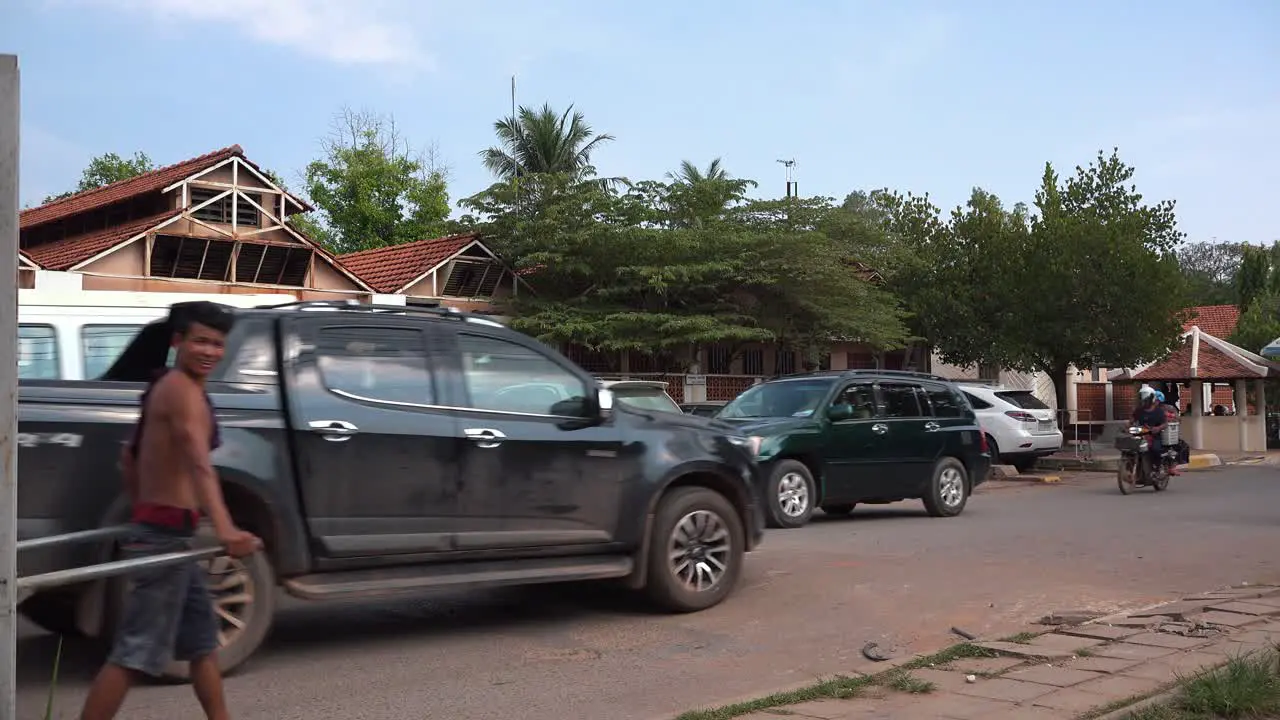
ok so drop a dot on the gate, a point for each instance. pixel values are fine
(32, 583)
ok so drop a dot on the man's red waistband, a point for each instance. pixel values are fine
(170, 516)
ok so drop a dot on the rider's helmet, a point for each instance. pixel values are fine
(1146, 393)
(1159, 397)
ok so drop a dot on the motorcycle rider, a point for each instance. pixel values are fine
(1171, 415)
(1150, 415)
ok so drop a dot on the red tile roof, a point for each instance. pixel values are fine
(64, 254)
(1217, 360)
(390, 269)
(1217, 320)
(153, 181)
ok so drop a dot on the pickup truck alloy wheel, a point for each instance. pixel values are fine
(695, 556)
(948, 492)
(791, 495)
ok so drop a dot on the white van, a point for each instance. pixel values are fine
(77, 335)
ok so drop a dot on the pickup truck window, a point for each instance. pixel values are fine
(100, 345)
(37, 352)
(509, 377)
(375, 363)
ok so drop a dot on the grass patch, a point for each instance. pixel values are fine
(1084, 652)
(1022, 638)
(1246, 687)
(842, 687)
(904, 681)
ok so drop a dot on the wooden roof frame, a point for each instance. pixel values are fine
(476, 242)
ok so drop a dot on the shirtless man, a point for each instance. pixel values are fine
(169, 476)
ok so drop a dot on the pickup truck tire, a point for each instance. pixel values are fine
(790, 495)
(250, 578)
(695, 555)
(948, 489)
(53, 611)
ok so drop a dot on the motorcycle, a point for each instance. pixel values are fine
(1135, 467)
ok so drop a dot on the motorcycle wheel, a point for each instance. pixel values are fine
(1161, 482)
(1125, 475)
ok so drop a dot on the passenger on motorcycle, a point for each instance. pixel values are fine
(1151, 415)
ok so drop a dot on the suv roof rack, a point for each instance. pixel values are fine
(353, 305)
(902, 373)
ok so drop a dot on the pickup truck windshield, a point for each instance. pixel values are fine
(785, 398)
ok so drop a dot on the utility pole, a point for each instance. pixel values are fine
(8, 384)
(790, 165)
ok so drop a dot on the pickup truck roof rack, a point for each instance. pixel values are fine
(353, 305)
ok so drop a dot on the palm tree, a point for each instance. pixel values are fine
(690, 174)
(699, 196)
(535, 142)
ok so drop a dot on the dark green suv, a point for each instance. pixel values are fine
(836, 439)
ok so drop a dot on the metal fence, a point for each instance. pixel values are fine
(1079, 431)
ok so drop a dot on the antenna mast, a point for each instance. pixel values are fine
(791, 186)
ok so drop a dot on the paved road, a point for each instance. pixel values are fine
(810, 599)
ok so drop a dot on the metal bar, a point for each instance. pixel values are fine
(56, 578)
(106, 533)
(9, 117)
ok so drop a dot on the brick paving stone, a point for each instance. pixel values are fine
(1246, 592)
(1268, 600)
(1027, 651)
(1004, 689)
(1103, 664)
(1068, 643)
(1246, 607)
(1229, 649)
(985, 665)
(1258, 635)
(1230, 619)
(1177, 609)
(1056, 676)
(1101, 632)
(1125, 651)
(955, 707)
(943, 680)
(1025, 712)
(1118, 687)
(821, 709)
(1175, 666)
(1167, 640)
(1070, 700)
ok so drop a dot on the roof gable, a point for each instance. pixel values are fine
(394, 268)
(1206, 357)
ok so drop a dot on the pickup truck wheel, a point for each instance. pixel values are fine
(791, 495)
(52, 611)
(695, 557)
(243, 591)
(948, 490)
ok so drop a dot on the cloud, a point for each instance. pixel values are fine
(341, 31)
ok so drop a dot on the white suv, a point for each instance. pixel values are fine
(1019, 427)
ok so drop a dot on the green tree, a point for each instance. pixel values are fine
(609, 272)
(1260, 324)
(696, 197)
(543, 142)
(1254, 275)
(106, 169)
(372, 189)
(1091, 278)
(1211, 270)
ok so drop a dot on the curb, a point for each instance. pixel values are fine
(1199, 461)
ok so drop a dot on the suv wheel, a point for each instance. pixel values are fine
(791, 492)
(695, 557)
(948, 491)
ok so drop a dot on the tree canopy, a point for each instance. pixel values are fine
(106, 169)
(372, 189)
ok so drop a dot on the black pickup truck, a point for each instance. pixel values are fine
(382, 449)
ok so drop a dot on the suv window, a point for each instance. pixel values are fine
(945, 402)
(861, 397)
(977, 402)
(101, 346)
(900, 400)
(1024, 399)
(510, 377)
(37, 352)
(375, 363)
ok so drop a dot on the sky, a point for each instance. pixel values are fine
(929, 97)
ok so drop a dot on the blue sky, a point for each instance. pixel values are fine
(927, 96)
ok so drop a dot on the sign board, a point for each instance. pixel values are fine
(695, 379)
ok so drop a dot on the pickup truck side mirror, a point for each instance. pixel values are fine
(842, 411)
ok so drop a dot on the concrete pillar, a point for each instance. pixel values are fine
(1242, 412)
(9, 116)
(1260, 403)
(1194, 431)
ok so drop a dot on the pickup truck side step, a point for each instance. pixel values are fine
(383, 581)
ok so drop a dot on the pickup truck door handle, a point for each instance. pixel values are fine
(334, 430)
(932, 426)
(485, 437)
(879, 428)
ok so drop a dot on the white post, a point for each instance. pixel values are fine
(8, 383)
(1242, 412)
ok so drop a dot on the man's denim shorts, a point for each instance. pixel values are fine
(168, 614)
